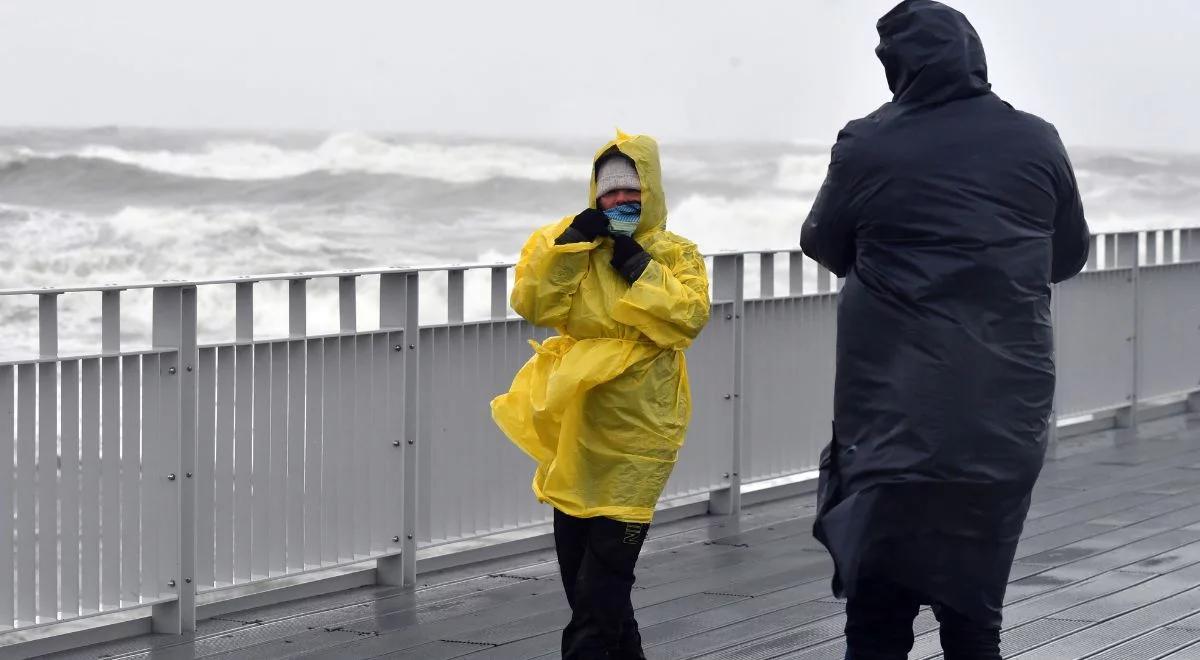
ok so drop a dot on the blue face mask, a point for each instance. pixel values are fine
(624, 218)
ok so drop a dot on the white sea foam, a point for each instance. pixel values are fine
(339, 153)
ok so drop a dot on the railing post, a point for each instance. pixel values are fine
(1124, 253)
(348, 303)
(174, 327)
(455, 284)
(766, 275)
(795, 273)
(1189, 245)
(298, 308)
(729, 285)
(1168, 253)
(399, 305)
(499, 293)
(1093, 261)
(1128, 245)
(47, 470)
(110, 442)
(824, 279)
(1052, 432)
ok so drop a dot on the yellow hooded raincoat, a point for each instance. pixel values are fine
(603, 407)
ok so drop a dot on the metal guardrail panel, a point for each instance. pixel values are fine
(1170, 329)
(705, 460)
(69, 510)
(789, 375)
(1095, 342)
(478, 482)
(280, 447)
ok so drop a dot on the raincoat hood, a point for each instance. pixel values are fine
(931, 54)
(643, 151)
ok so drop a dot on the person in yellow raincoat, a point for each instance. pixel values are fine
(604, 406)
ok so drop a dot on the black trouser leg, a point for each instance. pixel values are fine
(602, 624)
(964, 639)
(570, 542)
(879, 622)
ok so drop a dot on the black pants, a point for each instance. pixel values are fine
(596, 557)
(879, 626)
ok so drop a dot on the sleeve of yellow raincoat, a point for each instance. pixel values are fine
(548, 275)
(669, 302)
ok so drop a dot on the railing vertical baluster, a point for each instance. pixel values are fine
(297, 308)
(455, 284)
(314, 460)
(69, 429)
(26, 470)
(89, 513)
(279, 448)
(134, 542)
(766, 275)
(332, 438)
(348, 303)
(260, 544)
(795, 273)
(364, 469)
(379, 447)
(206, 466)
(1168, 245)
(47, 468)
(155, 461)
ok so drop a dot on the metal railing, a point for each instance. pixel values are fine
(146, 477)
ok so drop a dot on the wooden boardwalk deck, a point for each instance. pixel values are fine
(1109, 568)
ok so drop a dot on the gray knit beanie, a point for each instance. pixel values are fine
(616, 173)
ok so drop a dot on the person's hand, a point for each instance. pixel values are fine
(591, 223)
(628, 258)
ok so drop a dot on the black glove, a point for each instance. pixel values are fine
(629, 259)
(586, 227)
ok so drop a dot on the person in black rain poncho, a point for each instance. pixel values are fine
(949, 213)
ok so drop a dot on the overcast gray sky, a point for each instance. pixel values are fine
(1107, 72)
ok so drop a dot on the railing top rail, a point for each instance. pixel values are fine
(379, 270)
(308, 275)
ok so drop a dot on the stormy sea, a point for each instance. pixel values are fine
(117, 205)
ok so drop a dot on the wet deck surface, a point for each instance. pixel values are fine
(1109, 568)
